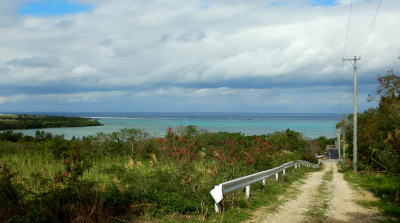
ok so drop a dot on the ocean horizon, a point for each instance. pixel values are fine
(310, 125)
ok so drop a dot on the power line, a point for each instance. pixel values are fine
(342, 90)
(371, 26)
(354, 63)
(348, 30)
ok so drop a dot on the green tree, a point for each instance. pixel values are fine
(379, 128)
(133, 137)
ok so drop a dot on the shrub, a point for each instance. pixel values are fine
(11, 194)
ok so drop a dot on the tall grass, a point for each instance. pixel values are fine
(96, 179)
(384, 186)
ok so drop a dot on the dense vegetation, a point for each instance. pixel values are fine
(129, 175)
(379, 143)
(11, 121)
(379, 129)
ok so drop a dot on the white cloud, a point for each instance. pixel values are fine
(8, 12)
(83, 70)
(35, 61)
(179, 44)
(12, 98)
(94, 96)
(3, 100)
(82, 97)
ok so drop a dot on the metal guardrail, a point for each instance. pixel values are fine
(244, 182)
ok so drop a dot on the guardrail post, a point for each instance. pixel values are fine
(295, 166)
(244, 182)
(247, 191)
(217, 207)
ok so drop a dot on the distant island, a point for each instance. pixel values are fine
(18, 121)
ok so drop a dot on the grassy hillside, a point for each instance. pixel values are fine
(129, 175)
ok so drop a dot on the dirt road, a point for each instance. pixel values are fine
(324, 196)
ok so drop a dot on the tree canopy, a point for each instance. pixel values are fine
(379, 128)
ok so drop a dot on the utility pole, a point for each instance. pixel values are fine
(338, 142)
(353, 61)
(344, 142)
(340, 132)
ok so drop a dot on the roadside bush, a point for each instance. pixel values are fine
(11, 194)
(323, 141)
(58, 146)
(11, 136)
(115, 201)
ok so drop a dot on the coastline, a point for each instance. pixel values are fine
(24, 121)
(157, 126)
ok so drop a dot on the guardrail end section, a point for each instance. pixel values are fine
(217, 194)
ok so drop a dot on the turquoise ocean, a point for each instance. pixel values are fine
(310, 125)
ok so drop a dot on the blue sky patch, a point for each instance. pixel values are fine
(325, 2)
(318, 3)
(52, 7)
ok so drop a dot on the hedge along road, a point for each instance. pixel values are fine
(324, 196)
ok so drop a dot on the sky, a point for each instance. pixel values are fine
(193, 55)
